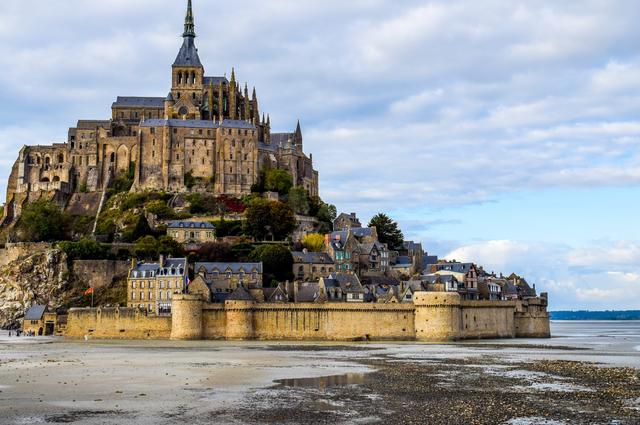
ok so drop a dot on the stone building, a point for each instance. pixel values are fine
(346, 221)
(311, 266)
(39, 321)
(228, 276)
(191, 232)
(207, 133)
(151, 286)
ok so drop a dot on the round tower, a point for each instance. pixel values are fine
(437, 316)
(186, 317)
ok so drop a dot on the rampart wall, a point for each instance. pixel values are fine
(434, 316)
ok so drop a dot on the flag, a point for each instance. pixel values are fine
(187, 281)
(89, 291)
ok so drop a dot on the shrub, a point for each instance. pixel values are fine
(41, 220)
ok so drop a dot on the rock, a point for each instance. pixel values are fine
(41, 278)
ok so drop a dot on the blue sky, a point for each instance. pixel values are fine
(502, 132)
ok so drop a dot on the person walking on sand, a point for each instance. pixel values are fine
(9, 334)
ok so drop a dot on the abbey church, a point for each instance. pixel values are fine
(207, 128)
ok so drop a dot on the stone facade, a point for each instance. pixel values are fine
(207, 128)
(191, 232)
(151, 286)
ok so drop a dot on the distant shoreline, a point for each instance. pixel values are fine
(596, 315)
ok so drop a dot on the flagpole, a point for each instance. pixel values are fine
(91, 297)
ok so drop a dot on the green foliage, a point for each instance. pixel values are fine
(138, 229)
(313, 242)
(299, 200)
(200, 204)
(226, 228)
(277, 262)
(325, 213)
(216, 252)
(85, 249)
(269, 219)
(189, 180)
(278, 181)
(41, 221)
(160, 209)
(150, 248)
(388, 230)
(124, 182)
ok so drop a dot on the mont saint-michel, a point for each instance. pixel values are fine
(176, 259)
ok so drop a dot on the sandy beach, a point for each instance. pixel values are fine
(588, 374)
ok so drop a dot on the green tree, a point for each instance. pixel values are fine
(283, 220)
(85, 249)
(216, 252)
(41, 220)
(168, 246)
(269, 219)
(146, 248)
(160, 209)
(313, 242)
(277, 262)
(299, 200)
(278, 181)
(139, 230)
(388, 230)
(258, 219)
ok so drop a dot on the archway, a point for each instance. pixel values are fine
(56, 178)
(122, 158)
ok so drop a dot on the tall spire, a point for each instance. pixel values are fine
(189, 24)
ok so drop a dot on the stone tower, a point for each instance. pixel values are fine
(187, 75)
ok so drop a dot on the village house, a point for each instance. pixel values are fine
(151, 286)
(373, 259)
(415, 253)
(311, 266)
(191, 232)
(342, 287)
(342, 247)
(38, 321)
(226, 277)
(465, 273)
(346, 222)
(490, 288)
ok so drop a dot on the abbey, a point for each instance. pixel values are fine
(207, 128)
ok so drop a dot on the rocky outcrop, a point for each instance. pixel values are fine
(37, 278)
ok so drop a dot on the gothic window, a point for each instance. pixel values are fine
(175, 131)
(47, 160)
(112, 158)
(61, 158)
(178, 95)
(200, 133)
(193, 96)
(153, 131)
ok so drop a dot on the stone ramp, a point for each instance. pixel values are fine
(84, 204)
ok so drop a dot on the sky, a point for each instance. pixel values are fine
(501, 132)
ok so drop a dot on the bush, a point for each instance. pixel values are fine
(160, 209)
(313, 242)
(85, 249)
(41, 221)
(216, 252)
(299, 200)
(226, 228)
(150, 248)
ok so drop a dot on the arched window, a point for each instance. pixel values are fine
(47, 160)
(56, 178)
(193, 78)
(112, 158)
(60, 158)
(193, 96)
(180, 78)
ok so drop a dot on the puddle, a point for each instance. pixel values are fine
(534, 421)
(324, 381)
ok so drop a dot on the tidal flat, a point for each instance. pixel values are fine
(589, 373)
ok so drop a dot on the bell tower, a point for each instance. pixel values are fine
(187, 75)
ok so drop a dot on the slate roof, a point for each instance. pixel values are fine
(360, 232)
(177, 265)
(434, 278)
(281, 139)
(35, 312)
(188, 54)
(215, 80)
(234, 267)
(92, 124)
(349, 283)
(138, 102)
(342, 236)
(190, 225)
(308, 293)
(197, 124)
(220, 297)
(380, 280)
(454, 267)
(240, 294)
(428, 260)
(411, 245)
(311, 257)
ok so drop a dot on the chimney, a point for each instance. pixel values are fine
(305, 251)
(161, 260)
(327, 239)
(134, 262)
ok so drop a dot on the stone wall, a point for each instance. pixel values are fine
(14, 251)
(99, 273)
(435, 316)
(116, 323)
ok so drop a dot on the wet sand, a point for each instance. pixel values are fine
(589, 375)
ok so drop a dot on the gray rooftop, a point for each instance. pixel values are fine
(172, 267)
(139, 102)
(215, 81)
(190, 225)
(224, 267)
(188, 54)
(311, 257)
(197, 124)
(35, 312)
